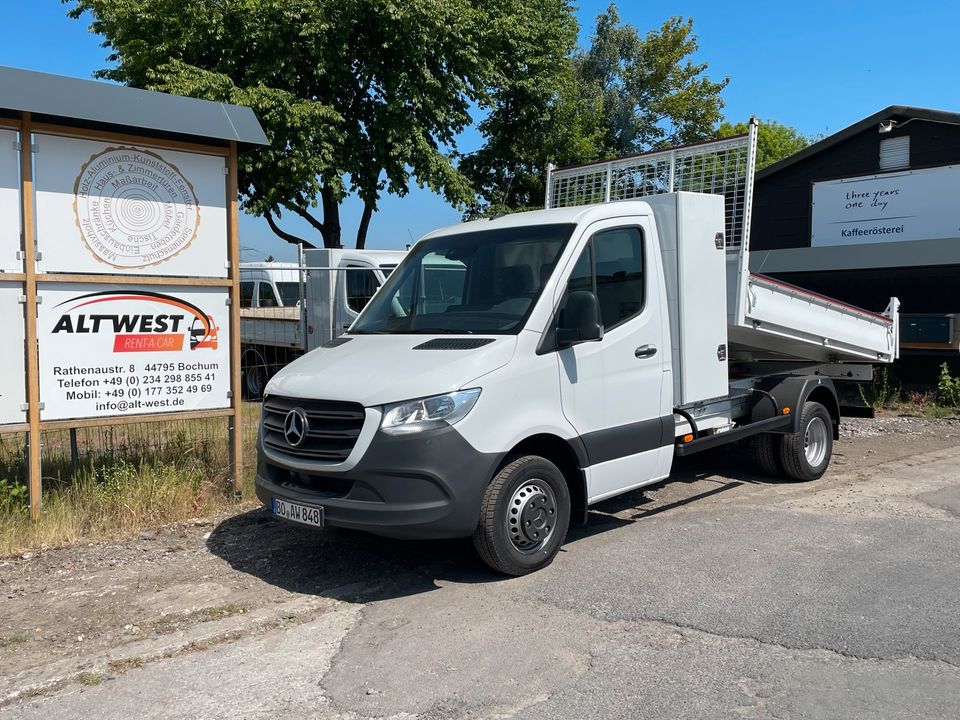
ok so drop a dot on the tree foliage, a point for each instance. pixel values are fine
(525, 123)
(775, 141)
(649, 92)
(356, 96)
(625, 93)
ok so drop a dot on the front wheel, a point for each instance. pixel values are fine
(523, 517)
(806, 454)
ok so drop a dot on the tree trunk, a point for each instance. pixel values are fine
(289, 237)
(364, 224)
(331, 219)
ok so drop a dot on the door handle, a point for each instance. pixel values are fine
(645, 351)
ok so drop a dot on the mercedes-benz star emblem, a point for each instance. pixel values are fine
(295, 427)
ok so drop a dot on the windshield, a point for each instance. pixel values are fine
(289, 293)
(479, 282)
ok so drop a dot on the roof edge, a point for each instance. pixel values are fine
(98, 104)
(892, 111)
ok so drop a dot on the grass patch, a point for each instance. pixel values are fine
(885, 394)
(218, 612)
(115, 500)
(90, 679)
(119, 667)
(164, 625)
(130, 478)
(169, 623)
(8, 642)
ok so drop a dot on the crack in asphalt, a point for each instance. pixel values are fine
(797, 648)
(683, 628)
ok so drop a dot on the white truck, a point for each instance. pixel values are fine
(287, 309)
(579, 350)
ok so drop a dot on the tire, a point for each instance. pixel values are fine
(766, 449)
(806, 454)
(524, 516)
(254, 372)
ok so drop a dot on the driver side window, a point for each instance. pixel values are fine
(616, 275)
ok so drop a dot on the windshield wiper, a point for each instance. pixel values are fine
(439, 331)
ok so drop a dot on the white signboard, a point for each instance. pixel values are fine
(115, 208)
(912, 205)
(9, 203)
(12, 378)
(131, 350)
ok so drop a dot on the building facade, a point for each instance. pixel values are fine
(869, 213)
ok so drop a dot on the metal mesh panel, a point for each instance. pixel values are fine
(579, 188)
(722, 167)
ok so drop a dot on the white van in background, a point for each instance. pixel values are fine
(287, 308)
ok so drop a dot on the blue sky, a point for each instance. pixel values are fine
(819, 66)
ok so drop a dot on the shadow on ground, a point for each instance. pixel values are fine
(358, 567)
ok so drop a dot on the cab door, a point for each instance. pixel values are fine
(611, 390)
(356, 284)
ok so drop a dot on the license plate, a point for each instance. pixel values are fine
(306, 514)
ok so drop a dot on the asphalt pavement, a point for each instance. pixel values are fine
(715, 596)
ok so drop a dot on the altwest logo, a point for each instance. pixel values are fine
(164, 329)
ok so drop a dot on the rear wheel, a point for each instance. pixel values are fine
(523, 517)
(806, 454)
(254, 373)
(766, 449)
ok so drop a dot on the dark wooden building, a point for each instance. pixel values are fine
(872, 212)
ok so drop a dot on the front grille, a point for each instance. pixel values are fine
(332, 428)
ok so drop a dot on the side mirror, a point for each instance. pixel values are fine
(581, 320)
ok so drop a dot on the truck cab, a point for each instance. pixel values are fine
(268, 285)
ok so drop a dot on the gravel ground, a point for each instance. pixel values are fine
(719, 594)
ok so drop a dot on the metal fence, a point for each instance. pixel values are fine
(288, 309)
(199, 445)
(724, 167)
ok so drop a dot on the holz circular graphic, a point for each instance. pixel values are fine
(134, 209)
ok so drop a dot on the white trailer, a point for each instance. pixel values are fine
(578, 351)
(288, 309)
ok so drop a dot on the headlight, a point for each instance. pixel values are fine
(428, 413)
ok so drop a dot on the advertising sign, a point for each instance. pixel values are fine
(130, 350)
(115, 208)
(9, 203)
(12, 384)
(911, 205)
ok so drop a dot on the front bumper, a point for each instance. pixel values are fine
(428, 485)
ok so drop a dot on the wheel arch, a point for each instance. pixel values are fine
(249, 352)
(826, 396)
(569, 458)
(792, 391)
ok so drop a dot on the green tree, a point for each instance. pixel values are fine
(531, 117)
(356, 96)
(775, 141)
(626, 93)
(649, 91)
